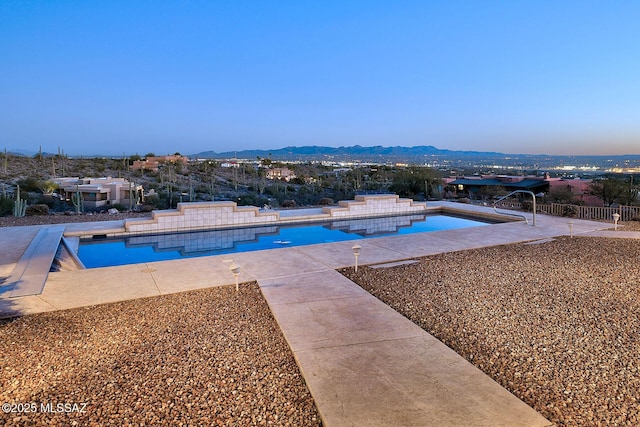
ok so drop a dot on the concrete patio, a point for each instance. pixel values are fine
(363, 362)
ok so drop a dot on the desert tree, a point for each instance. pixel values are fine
(414, 180)
(609, 189)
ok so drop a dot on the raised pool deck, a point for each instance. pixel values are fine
(364, 363)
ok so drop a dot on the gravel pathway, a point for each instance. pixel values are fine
(555, 323)
(209, 357)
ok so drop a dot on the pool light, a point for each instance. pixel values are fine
(236, 272)
(356, 253)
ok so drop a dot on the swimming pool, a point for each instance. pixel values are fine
(161, 247)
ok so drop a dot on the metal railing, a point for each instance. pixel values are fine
(627, 213)
(533, 197)
(598, 213)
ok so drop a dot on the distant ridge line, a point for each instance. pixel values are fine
(375, 154)
(392, 153)
(371, 153)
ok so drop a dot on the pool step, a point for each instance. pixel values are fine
(66, 258)
(30, 273)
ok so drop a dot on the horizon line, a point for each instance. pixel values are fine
(26, 152)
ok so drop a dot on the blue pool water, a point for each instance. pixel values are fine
(161, 247)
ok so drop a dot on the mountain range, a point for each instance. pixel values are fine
(428, 154)
(356, 152)
(424, 154)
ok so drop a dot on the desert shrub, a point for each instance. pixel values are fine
(288, 204)
(252, 199)
(30, 184)
(46, 200)
(570, 211)
(119, 207)
(325, 201)
(147, 208)
(6, 206)
(39, 209)
(153, 201)
(527, 206)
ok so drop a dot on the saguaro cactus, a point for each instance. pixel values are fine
(19, 206)
(78, 200)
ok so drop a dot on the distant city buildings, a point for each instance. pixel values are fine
(230, 164)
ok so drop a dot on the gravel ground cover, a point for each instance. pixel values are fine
(202, 358)
(629, 225)
(11, 221)
(557, 323)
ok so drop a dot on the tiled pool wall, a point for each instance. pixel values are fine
(212, 215)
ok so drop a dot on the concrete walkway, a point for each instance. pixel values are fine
(363, 362)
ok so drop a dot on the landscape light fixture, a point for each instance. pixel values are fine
(236, 272)
(356, 253)
(570, 223)
(616, 218)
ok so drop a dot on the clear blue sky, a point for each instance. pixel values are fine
(113, 77)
